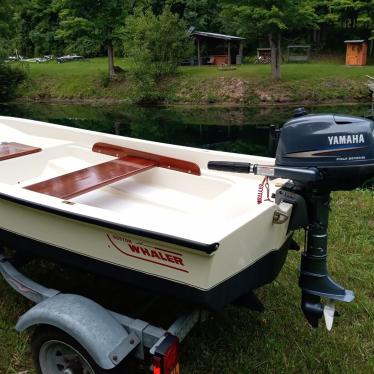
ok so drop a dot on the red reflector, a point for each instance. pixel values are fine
(165, 360)
(171, 359)
(157, 365)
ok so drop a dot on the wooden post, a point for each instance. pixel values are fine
(198, 52)
(111, 60)
(274, 41)
(229, 53)
(241, 47)
(117, 128)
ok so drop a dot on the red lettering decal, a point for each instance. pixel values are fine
(178, 261)
(162, 256)
(145, 251)
(119, 238)
(170, 258)
(139, 251)
(134, 248)
(154, 254)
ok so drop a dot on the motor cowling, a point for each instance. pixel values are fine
(340, 147)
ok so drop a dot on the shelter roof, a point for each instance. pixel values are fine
(354, 41)
(216, 36)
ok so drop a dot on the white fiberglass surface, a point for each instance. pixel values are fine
(200, 207)
(203, 208)
(22, 132)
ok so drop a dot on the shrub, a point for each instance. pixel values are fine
(156, 46)
(249, 59)
(10, 78)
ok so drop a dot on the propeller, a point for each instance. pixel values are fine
(329, 314)
(314, 310)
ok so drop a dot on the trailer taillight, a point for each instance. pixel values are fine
(166, 357)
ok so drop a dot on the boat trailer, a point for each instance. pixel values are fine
(74, 334)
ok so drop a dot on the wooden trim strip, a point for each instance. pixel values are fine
(162, 161)
(12, 150)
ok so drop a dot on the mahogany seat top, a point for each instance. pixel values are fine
(85, 180)
(11, 150)
(129, 162)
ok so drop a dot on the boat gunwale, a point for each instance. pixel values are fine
(190, 244)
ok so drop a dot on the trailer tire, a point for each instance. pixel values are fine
(55, 352)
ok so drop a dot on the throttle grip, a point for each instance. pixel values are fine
(234, 167)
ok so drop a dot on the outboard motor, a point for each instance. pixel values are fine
(340, 147)
(318, 154)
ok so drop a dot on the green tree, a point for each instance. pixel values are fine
(37, 22)
(4, 27)
(355, 18)
(156, 45)
(91, 25)
(9, 77)
(271, 18)
(201, 14)
(352, 13)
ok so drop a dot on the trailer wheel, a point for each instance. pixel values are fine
(55, 352)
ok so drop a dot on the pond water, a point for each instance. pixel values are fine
(234, 129)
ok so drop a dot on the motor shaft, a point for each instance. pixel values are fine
(314, 279)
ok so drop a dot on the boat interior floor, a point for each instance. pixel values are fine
(132, 187)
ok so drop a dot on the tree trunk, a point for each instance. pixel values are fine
(198, 52)
(314, 35)
(229, 53)
(274, 41)
(111, 60)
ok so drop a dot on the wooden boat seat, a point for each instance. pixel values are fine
(82, 181)
(162, 161)
(12, 150)
(128, 163)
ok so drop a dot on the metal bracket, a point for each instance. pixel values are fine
(280, 217)
(23, 285)
(282, 214)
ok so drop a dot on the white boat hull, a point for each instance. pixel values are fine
(203, 238)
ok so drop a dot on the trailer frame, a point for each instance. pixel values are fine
(85, 320)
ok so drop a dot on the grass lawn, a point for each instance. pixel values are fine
(71, 80)
(247, 84)
(236, 340)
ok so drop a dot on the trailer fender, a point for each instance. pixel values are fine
(91, 325)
